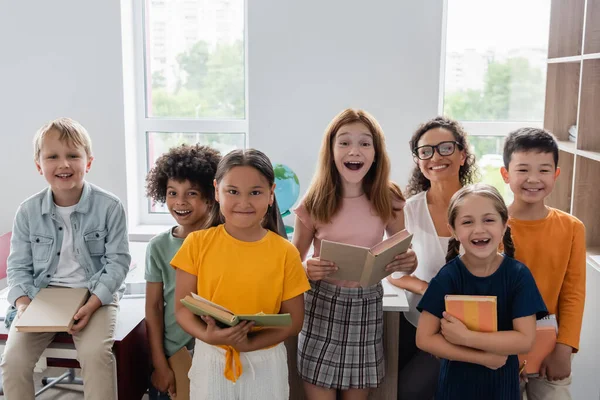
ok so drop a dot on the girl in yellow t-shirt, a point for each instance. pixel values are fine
(245, 266)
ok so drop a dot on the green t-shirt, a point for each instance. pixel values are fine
(159, 253)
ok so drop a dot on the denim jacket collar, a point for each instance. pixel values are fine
(83, 206)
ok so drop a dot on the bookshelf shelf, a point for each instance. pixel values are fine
(567, 146)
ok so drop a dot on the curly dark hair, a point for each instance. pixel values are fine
(467, 173)
(195, 163)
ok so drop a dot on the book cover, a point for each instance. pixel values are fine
(545, 340)
(201, 306)
(52, 310)
(180, 363)
(478, 313)
(362, 264)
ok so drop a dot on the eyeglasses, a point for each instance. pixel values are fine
(443, 149)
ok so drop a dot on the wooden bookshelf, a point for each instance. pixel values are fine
(562, 91)
(566, 28)
(573, 98)
(592, 27)
(561, 195)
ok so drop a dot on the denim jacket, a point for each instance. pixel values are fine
(100, 243)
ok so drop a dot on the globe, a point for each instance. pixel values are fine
(287, 189)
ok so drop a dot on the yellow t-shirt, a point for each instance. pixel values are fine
(244, 277)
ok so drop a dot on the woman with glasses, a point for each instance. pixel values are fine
(444, 164)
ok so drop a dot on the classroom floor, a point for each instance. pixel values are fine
(65, 392)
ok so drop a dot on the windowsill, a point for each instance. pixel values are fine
(143, 233)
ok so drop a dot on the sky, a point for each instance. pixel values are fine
(500, 25)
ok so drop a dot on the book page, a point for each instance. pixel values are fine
(206, 301)
(389, 242)
(349, 259)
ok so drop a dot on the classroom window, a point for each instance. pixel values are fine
(495, 73)
(192, 87)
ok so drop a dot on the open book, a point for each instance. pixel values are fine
(363, 264)
(478, 313)
(52, 310)
(201, 306)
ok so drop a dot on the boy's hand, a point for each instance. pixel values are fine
(82, 317)
(317, 269)
(163, 379)
(404, 262)
(454, 331)
(225, 336)
(21, 305)
(557, 365)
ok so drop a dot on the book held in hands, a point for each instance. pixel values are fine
(545, 341)
(363, 264)
(201, 306)
(52, 310)
(478, 313)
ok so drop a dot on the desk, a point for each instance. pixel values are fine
(130, 348)
(394, 302)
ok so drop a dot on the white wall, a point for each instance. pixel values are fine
(59, 58)
(310, 59)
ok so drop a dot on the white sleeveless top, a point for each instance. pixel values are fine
(430, 248)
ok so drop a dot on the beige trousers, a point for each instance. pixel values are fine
(94, 353)
(543, 389)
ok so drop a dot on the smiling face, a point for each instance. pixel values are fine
(244, 196)
(353, 152)
(63, 165)
(440, 168)
(478, 226)
(531, 175)
(185, 203)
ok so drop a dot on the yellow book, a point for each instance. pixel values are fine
(478, 313)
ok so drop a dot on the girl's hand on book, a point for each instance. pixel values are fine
(557, 366)
(225, 336)
(454, 331)
(163, 379)
(317, 269)
(404, 262)
(493, 361)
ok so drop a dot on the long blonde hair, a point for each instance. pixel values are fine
(323, 198)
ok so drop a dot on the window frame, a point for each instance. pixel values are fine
(474, 128)
(145, 124)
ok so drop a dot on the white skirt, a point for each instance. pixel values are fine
(264, 375)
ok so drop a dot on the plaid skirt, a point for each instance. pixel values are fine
(341, 342)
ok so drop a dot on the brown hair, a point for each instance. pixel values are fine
(323, 198)
(70, 131)
(467, 173)
(489, 192)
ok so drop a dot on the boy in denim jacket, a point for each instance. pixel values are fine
(72, 234)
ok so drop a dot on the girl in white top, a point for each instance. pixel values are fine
(443, 165)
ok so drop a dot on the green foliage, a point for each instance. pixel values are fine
(512, 90)
(211, 84)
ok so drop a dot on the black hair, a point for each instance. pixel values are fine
(260, 162)
(530, 139)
